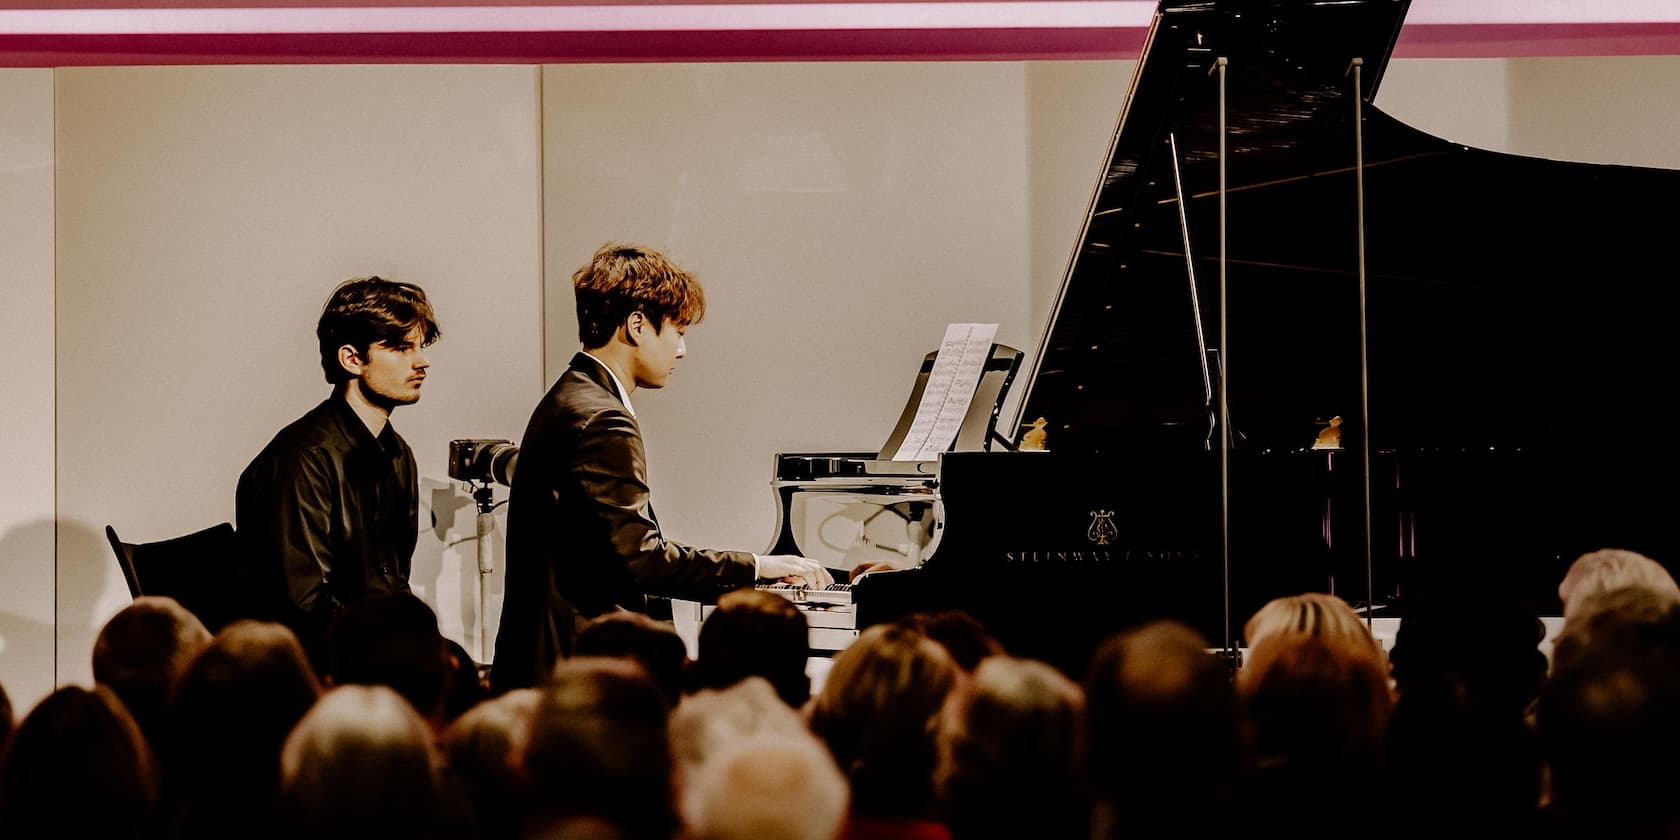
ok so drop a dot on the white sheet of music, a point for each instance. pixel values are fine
(950, 388)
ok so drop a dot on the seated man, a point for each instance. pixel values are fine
(329, 510)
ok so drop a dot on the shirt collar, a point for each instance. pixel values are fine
(385, 442)
(623, 395)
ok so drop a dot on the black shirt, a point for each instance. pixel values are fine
(332, 511)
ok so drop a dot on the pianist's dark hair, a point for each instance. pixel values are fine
(366, 311)
(621, 280)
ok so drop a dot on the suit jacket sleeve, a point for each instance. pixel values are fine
(612, 467)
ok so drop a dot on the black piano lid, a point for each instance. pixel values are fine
(1513, 302)
(1518, 310)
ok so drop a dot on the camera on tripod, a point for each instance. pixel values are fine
(483, 460)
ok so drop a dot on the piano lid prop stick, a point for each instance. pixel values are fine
(1220, 66)
(1357, 68)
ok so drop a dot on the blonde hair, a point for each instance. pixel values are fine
(1609, 569)
(1313, 614)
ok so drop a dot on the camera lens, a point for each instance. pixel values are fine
(500, 459)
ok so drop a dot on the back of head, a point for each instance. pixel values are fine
(879, 712)
(1483, 641)
(233, 707)
(1317, 707)
(391, 639)
(709, 720)
(1611, 568)
(1609, 733)
(1012, 753)
(652, 644)
(620, 280)
(1628, 618)
(480, 747)
(768, 785)
(1164, 735)
(361, 764)
(1313, 614)
(140, 652)
(366, 311)
(77, 766)
(755, 633)
(964, 637)
(597, 748)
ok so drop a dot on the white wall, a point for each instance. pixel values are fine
(839, 215)
(1603, 110)
(26, 385)
(204, 214)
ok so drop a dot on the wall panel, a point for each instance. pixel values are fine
(26, 385)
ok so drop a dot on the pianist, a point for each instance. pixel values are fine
(582, 537)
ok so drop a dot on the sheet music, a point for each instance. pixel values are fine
(950, 388)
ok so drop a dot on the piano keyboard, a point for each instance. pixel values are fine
(833, 595)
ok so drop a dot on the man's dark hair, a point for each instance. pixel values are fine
(652, 644)
(621, 280)
(391, 639)
(755, 634)
(368, 311)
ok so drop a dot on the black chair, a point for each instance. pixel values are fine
(198, 570)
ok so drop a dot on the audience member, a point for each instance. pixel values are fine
(140, 652)
(597, 756)
(1164, 736)
(1317, 710)
(964, 637)
(766, 786)
(1631, 616)
(479, 747)
(361, 766)
(754, 633)
(746, 766)
(1609, 732)
(878, 712)
(77, 766)
(1612, 568)
(713, 718)
(234, 705)
(653, 644)
(1467, 668)
(1012, 758)
(391, 639)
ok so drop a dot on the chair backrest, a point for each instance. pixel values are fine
(196, 570)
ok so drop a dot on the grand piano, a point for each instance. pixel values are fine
(1266, 251)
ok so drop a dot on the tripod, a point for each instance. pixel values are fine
(482, 498)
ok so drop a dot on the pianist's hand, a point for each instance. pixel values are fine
(791, 568)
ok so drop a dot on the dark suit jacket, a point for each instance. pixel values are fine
(582, 538)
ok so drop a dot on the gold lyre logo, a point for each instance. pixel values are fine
(1102, 527)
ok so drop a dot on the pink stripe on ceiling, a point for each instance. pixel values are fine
(116, 32)
(1045, 14)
